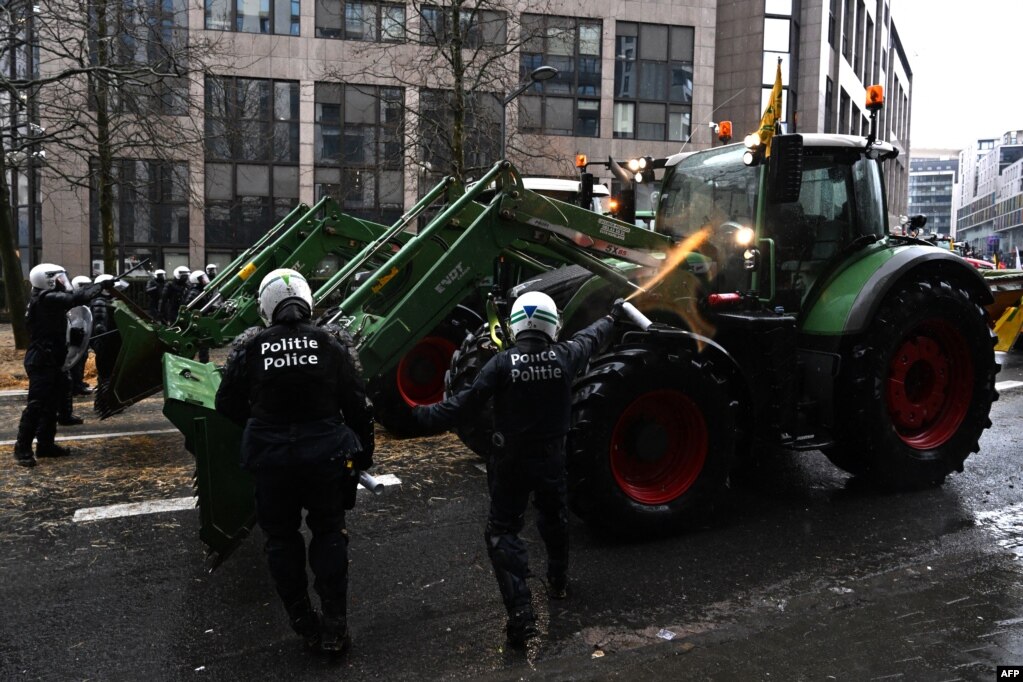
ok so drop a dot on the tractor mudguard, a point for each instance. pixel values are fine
(849, 301)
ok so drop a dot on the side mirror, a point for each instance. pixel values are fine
(785, 169)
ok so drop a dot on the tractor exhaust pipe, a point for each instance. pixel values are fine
(638, 318)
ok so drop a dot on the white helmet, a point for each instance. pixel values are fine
(211, 269)
(535, 311)
(159, 273)
(47, 276)
(198, 277)
(121, 285)
(80, 281)
(181, 271)
(103, 278)
(279, 286)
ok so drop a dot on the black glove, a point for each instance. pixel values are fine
(76, 336)
(618, 310)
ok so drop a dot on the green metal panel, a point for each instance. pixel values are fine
(226, 494)
(829, 313)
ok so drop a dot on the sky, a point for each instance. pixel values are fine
(966, 59)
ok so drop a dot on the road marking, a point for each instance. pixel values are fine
(1007, 385)
(115, 511)
(96, 436)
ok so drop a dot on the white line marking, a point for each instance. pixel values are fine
(13, 392)
(95, 436)
(1008, 385)
(114, 511)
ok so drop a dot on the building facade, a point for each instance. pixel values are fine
(933, 174)
(298, 105)
(989, 196)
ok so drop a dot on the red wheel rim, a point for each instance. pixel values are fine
(421, 372)
(659, 447)
(930, 384)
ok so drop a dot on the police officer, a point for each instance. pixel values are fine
(154, 292)
(308, 430)
(531, 386)
(211, 271)
(197, 282)
(78, 385)
(46, 319)
(173, 293)
(106, 342)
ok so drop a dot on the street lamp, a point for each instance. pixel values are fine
(537, 75)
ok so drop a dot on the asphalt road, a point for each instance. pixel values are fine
(804, 573)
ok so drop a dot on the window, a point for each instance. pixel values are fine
(150, 210)
(781, 44)
(253, 16)
(153, 34)
(653, 81)
(358, 149)
(829, 106)
(478, 27)
(368, 21)
(568, 104)
(847, 31)
(482, 117)
(251, 157)
(843, 113)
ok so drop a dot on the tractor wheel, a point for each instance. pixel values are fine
(466, 363)
(919, 388)
(653, 439)
(418, 378)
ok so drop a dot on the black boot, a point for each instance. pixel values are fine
(23, 455)
(70, 420)
(305, 622)
(51, 450)
(521, 626)
(557, 586)
(334, 638)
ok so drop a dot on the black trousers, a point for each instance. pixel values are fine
(515, 473)
(281, 495)
(47, 390)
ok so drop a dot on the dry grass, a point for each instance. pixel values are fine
(12, 363)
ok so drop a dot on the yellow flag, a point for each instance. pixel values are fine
(771, 114)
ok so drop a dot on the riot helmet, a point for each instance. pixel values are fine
(49, 276)
(535, 311)
(160, 275)
(211, 270)
(279, 286)
(181, 272)
(80, 281)
(198, 277)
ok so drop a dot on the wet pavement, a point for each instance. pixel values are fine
(802, 573)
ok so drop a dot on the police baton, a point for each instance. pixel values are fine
(371, 484)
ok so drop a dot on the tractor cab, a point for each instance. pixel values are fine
(835, 205)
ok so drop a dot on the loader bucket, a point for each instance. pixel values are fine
(137, 372)
(227, 509)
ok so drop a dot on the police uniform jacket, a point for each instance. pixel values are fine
(531, 384)
(154, 292)
(173, 292)
(298, 391)
(192, 292)
(46, 320)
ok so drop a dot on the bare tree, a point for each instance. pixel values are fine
(457, 61)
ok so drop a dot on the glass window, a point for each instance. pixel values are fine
(358, 134)
(778, 7)
(776, 34)
(255, 16)
(573, 47)
(653, 66)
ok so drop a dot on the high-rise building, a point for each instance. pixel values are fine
(933, 174)
(989, 196)
(307, 99)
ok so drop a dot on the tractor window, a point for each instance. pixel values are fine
(840, 200)
(715, 191)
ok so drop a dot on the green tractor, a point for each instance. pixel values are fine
(784, 314)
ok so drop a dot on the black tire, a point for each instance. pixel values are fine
(917, 391)
(418, 378)
(653, 439)
(478, 428)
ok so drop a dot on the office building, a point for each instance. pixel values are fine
(307, 99)
(933, 174)
(989, 196)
